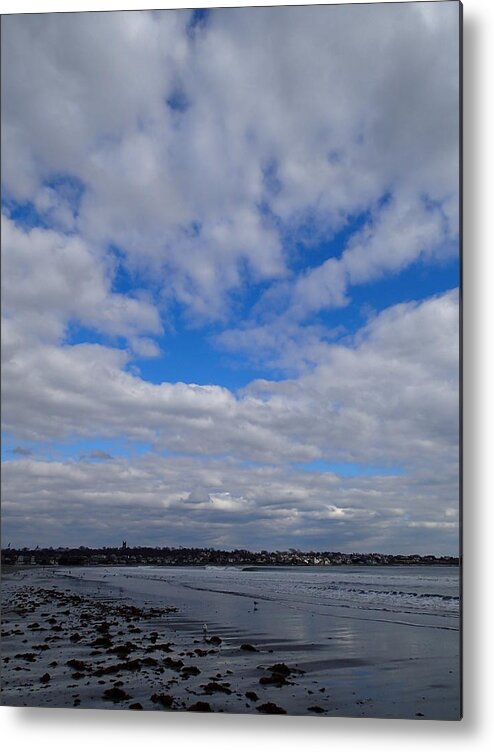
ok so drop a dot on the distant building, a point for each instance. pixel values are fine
(124, 545)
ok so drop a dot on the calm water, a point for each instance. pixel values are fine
(415, 595)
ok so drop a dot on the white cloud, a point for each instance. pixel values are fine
(175, 500)
(323, 128)
(390, 396)
(405, 230)
(51, 279)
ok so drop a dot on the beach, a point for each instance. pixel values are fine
(380, 642)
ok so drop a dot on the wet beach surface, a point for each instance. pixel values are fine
(193, 641)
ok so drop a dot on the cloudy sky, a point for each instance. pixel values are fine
(230, 276)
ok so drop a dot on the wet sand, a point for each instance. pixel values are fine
(109, 640)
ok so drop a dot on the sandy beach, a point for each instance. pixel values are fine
(181, 641)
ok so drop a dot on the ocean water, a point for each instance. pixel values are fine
(412, 595)
(417, 590)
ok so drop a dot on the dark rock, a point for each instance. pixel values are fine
(188, 671)
(215, 640)
(77, 665)
(134, 665)
(165, 700)
(123, 650)
(136, 706)
(252, 696)
(248, 647)
(31, 657)
(283, 669)
(166, 647)
(102, 642)
(149, 662)
(76, 637)
(277, 680)
(134, 611)
(214, 686)
(115, 694)
(200, 707)
(176, 665)
(45, 678)
(271, 709)
(316, 709)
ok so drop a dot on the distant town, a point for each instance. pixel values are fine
(125, 555)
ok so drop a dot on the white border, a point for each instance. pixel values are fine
(48, 6)
(78, 730)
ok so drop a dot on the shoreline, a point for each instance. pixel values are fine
(245, 567)
(70, 642)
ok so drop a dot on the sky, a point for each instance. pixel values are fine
(230, 272)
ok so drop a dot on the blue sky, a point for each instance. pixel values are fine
(230, 298)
